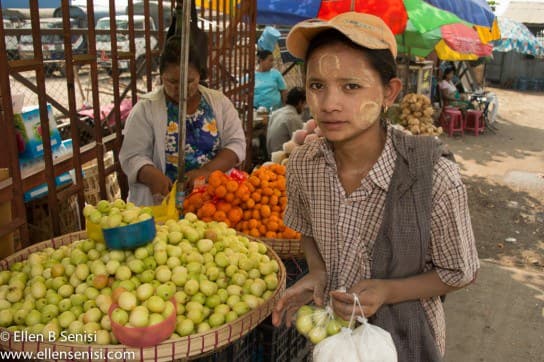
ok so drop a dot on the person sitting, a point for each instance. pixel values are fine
(270, 87)
(215, 138)
(450, 94)
(286, 120)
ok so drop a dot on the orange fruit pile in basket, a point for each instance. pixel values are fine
(252, 204)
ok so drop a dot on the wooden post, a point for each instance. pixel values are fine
(6, 242)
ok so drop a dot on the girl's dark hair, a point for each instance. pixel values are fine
(263, 54)
(382, 60)
(171, 55)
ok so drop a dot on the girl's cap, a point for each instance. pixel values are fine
(364, 29)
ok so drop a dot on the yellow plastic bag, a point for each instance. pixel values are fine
(94, 231)
(167, 209)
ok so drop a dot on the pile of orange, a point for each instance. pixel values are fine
(254, 206)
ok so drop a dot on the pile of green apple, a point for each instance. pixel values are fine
(213, 275)
(316, 324)
(141, 308)
(117, 213)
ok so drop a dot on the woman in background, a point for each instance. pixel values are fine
(270, 87)
(214, 140)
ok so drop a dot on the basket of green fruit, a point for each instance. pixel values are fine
(60, 291)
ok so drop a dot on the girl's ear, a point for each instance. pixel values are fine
(392, 90)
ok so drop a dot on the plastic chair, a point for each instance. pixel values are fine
(474, 121)
(452, 120)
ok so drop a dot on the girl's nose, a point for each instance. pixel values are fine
(331, 100)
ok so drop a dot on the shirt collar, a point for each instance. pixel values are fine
(381, 172)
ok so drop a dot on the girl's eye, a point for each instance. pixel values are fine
(352, 86)
(316, 85)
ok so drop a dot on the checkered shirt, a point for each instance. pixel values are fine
(319, 207)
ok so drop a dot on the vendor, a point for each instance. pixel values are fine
(383, 214)
(270, 87)
(214, 139)
(449, 93)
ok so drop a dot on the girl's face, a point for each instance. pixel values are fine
(170, 80)
(267, 64)
(344, 93)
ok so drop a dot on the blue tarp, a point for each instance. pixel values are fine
(286, 12)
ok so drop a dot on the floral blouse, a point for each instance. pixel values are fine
(202, 139)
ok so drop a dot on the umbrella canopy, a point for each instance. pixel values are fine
(451, 42)
(465, 40)
(488, 34)
(416, 23)
(477, 12)
(395, 13)
(517, 37)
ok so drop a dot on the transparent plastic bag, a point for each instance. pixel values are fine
(362, 344)
(316, 323)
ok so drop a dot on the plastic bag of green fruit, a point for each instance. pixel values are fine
(360, 341)
(317, 323)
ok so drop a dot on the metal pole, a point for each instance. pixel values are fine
(182, 28)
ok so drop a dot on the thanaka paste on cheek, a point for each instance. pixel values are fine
(368, 112)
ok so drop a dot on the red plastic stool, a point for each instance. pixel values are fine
(474, 121)
(452, 120)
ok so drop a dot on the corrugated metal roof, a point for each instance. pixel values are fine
(527, 12)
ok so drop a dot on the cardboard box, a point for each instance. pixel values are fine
(41, 191)
(29, 134)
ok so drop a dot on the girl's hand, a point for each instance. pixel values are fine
(372, 294)
(310, 287)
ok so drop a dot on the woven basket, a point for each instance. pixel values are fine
(91, 185)
(188, 347)
(39, 221)
(285, 248)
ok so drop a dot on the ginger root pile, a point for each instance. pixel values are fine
(416, 115)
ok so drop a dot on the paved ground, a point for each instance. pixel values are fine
(500, 318)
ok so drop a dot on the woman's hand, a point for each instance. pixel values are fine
(310, 287)
(372, 294)
(158, 182)
(192, 175)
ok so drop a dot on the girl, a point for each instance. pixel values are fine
(383, 214)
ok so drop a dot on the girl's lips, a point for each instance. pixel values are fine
(332, 125)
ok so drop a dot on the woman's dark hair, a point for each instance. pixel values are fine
(171, 55)
(447, 71)
(295, 96)
(263, 54)
(382, 60)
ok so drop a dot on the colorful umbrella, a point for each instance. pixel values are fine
(517, 37)
(465, 40)
(477, 12)
(395, 13)
(450, 41)
(488, 34)
(416, 23)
